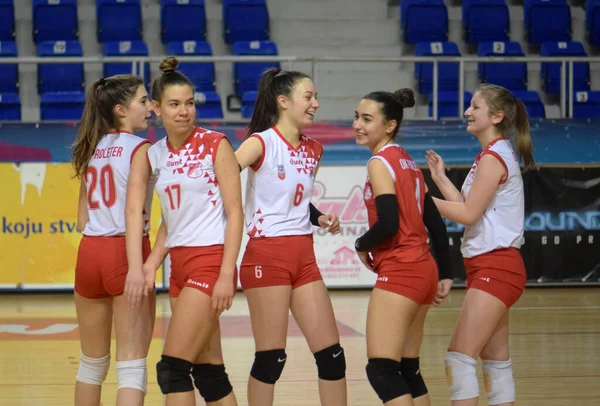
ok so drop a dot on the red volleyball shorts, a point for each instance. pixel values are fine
(196, 267)
(102, 266)
(277, 261)
(417, 281)
(501, 273)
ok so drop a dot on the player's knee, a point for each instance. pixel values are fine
(499, 382)
(93, 371)
(173, 375)
(211, 381)
(331, 363)
(461, 373)
(411, 371)
(386, 379)
(132, 374)
(268, 365)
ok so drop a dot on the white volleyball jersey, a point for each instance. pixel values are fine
(186, 184)
(280, 186)
(502, 223)
(106, 184)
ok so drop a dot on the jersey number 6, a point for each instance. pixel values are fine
(299, 194)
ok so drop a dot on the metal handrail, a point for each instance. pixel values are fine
(137, 61)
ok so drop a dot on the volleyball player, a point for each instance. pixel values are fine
(279, 270)
(395, 247)
(198, 183)
(109, 281)
(491, 206)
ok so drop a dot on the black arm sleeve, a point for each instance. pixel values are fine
(439, 239)
(314, 214)
(387, 225)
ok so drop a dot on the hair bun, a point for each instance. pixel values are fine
(406, 96)
(169, 64)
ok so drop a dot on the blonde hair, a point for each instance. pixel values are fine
(515, 123)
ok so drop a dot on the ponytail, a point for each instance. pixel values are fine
(522, 135)
(515, 119)
(91, 129)
(98, 117)
(274, 82)
(264, 115)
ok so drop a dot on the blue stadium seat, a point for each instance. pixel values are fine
(592, 21)
(532, 101)
(125, 49)
(512, 75)
(245, 20)
(447, 71)
(62, 106)
(9, 73)
(448, 104)
(54, 20)
(547, 20)
(7, 20)
(550, 71)
(248, 101)
(119, 20)
(485, 20)
(586, 104)
(202, 74)
(10, 107)
(246, 75)
(424, 20)
(60, 77)
(208, 105)
(182, 20)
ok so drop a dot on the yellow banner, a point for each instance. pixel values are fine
(38, 210)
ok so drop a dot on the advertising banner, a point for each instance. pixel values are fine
(38, 220)
(39, 242)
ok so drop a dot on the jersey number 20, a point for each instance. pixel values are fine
(107, 186)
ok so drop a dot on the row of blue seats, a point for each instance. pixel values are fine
(53, 77)
(68, 79)
(512, 75)
(489, 20)
(245, 20)
(68, 106)
(121, 20)
(586, 104)
(62, 85)
(63, 106)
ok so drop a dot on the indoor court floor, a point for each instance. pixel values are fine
(554, 338)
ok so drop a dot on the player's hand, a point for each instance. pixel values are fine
(222, 295)
(135, 287)
(435, 164)
(443, 289)
(366, 259)
(149, 271)
(330, 222)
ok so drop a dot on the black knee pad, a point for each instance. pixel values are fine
(212, 381)
(412, 376)
(268, 365)
(173, 375)
(386, 379)
(331, 363)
